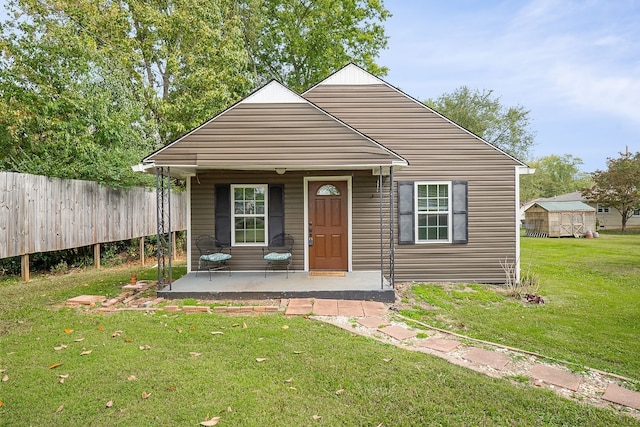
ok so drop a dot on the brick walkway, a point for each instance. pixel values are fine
(373, 319)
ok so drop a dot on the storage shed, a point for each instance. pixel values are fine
(559, 219)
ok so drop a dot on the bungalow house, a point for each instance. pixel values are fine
(363, 176)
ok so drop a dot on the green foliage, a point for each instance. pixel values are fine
(300, 42)
(88, 88)
(554, 175)
(482, 113)
(619, 186)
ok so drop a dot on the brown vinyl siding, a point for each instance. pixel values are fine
(436, 150)
(203, 213)
(254, 136)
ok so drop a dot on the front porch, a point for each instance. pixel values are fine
(359, 285)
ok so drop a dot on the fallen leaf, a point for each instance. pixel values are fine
(339, 392)
(229, 409)
(2, 370)
(260, 359)
(293, 388)
(145, 347)
(194, 354)
(127, 339)
(179, 330)
(380, 425)
(290, 380)
(244, 325)
(86, 352)
(60, 347)
(132, 378)
(79, 340)
(55, 365)
(116, 334)
(171, 388)
(5, 378)
(217, 333)
(298, 352)
(101, 328)
(388, 360)
(317, 417)
(235, 325)
(64, 376)
(145, 395)
(1, 403)
(109, 404)
(60, 408)
(285, 326)
(68, 331)
(212, 422)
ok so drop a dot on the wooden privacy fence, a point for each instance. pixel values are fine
(42, 214)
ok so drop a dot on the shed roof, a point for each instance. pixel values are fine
(571, 206)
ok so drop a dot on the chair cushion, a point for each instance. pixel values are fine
(217, 257)
(277, 256)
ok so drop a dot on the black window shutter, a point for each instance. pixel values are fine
(460, 212)
(406, 217)
(276, 210)
(223, 214)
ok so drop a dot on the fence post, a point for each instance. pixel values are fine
(24, 266)
(142, 250)
(173, 245)
(96, 255)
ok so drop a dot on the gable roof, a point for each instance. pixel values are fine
(353, 94)
(576, 196)
(275, 128)
(572, 206)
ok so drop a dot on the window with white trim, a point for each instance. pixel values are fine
(602, 209)
(249, 214)
(433, 211)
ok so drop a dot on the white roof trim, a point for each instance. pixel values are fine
(274, 92)
(351, 75)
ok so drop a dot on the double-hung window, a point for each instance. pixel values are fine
(602, 208)
(249, 214)
(433, 212)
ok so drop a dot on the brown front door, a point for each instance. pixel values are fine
(328, 231)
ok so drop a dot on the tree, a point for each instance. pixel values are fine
(554, 175)
(300, 42)
(98, 84)
(482, 113)
(619, 186)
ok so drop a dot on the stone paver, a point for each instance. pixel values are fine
(373, 322)
(555, 376)
(86, 300)
(374, 308)
(486, 357)
(350, 308)
(622, 396)
(298, 306)
(440, 344)
(398, 332)
(325, 307)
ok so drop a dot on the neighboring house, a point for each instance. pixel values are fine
(606, 217)
(560, 219)
(319, 165)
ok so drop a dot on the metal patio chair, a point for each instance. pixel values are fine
(213, 255)
(278, 253)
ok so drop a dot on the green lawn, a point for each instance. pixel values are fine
(592, 311)
(310, 369)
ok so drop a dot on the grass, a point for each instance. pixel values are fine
(307, 364)
(591, 316)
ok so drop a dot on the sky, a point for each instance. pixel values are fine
(575, 65)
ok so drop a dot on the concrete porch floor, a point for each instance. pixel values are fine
(359, 285)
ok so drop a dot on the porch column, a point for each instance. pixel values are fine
(392, 252)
